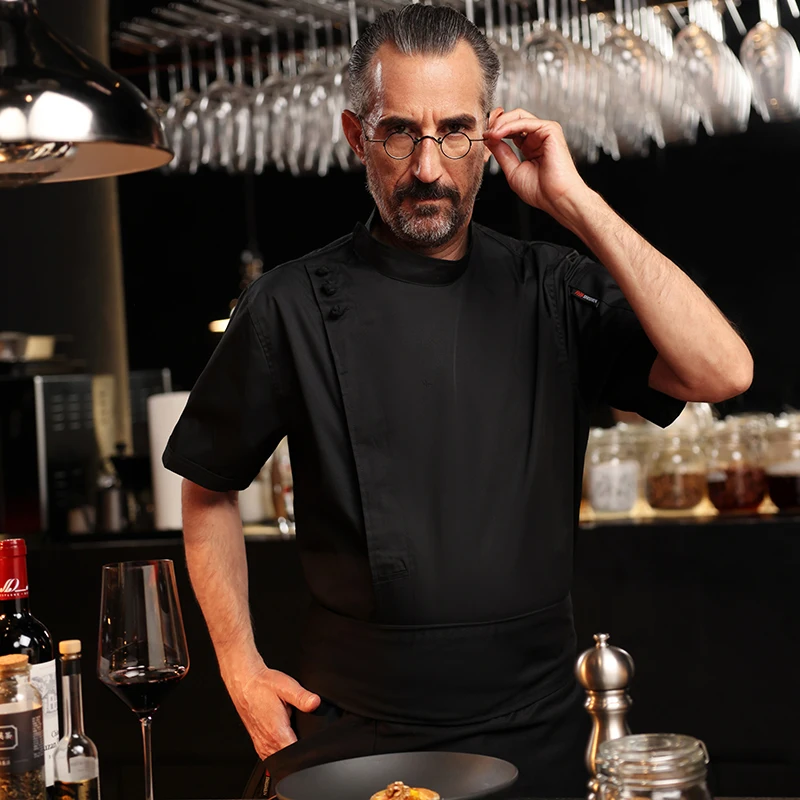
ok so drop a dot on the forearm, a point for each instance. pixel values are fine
(695, 342)
(215, 555)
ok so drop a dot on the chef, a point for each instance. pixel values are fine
(435, 381)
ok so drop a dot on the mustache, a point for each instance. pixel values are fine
(427, 191)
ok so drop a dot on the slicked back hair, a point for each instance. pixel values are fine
(418, 29)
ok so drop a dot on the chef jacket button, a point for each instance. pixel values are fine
(329, 289)
(322, 271)
(338, 311)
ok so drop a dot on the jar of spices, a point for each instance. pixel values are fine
(612, 474)
(736, 478)
(783, 465)
(676, 473)
(653, 766)
(21, 732)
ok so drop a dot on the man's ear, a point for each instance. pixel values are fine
(351, 125)
(489, 123)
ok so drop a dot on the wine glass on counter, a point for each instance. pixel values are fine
(142, 653)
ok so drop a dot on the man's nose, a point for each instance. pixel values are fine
(428, 158)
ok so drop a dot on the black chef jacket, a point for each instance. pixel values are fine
(437, 414)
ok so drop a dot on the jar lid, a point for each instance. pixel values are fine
(604, 668)
(653, 759)
(15, 663)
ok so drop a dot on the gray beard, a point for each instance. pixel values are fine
(427, 227)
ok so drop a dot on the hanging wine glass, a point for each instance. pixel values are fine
(770, 56)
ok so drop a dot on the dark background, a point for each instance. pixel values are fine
(725, 210)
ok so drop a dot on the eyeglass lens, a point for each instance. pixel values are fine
(401, 145)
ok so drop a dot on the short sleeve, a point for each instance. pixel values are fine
(233, 419)
(608, 349)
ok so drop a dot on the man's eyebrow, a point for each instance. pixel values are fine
(395, 121)
(464, 120)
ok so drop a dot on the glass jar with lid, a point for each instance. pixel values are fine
(783, 465)
(653, 766)
(736, 477)
(22, 748)
(676, 473)
(612, 473)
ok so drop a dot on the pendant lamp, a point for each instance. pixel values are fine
(64, 116)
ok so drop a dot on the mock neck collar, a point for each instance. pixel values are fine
(406, 265)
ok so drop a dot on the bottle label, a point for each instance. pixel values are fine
(21, 743)
(13, 578)
(77, 790)
(43, 677)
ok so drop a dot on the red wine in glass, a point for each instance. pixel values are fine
(142, 653)
(143, 690)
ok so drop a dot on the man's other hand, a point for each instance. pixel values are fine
(263, 701)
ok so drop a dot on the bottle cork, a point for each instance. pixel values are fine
(70, 647)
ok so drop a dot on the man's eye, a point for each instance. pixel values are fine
(398, 129)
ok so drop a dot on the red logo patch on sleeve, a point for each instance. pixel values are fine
(585, 297)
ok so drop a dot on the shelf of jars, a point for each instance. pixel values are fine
(699, 468)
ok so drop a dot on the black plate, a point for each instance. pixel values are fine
(455, 776)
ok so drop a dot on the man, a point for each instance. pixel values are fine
(435, 381)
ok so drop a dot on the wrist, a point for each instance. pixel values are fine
(238, 671)
(575, 210)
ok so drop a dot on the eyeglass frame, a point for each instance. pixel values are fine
(416, 140)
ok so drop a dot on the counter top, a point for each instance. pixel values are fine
(271, 533)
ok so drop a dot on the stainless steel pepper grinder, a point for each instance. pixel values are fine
(605, 672)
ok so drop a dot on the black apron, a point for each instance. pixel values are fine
(504, 687)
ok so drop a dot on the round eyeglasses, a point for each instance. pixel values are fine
(401, 145)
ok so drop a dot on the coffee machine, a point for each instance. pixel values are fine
(49, 450)
(54, 431)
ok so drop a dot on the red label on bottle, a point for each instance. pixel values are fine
(13, 577)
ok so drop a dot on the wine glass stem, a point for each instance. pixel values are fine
(147, 723)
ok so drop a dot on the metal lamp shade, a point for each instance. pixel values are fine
(64, 116)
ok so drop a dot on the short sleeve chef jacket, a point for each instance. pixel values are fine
(437, 414)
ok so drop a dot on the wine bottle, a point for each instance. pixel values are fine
(22, 633)
(77, 768)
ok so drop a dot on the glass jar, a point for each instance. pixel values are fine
(612, 474)
(676, 474)
(755, 425)
(736, 478)
(653, 766)
(783, 466)
(21, 732)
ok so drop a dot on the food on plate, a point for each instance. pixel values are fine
(399, 791)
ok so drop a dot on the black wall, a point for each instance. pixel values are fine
(725, 210)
